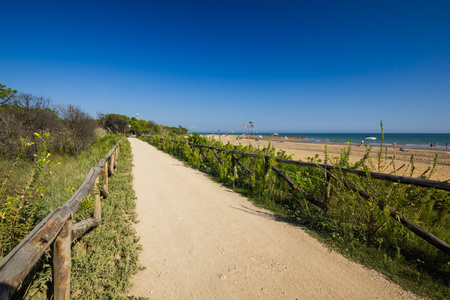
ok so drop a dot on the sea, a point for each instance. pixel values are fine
(404, 140)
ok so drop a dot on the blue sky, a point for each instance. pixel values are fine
(289, 66)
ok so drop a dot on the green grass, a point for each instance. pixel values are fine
(351, 225)
(104, 259)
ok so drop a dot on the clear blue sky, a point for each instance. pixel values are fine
(289, 66)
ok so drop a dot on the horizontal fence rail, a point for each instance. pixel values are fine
(57, 228)
(422, 233)
(388, 177)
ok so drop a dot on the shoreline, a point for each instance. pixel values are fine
(423, 158)
(305, 139)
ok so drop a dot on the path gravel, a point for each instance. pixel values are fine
(203, 241)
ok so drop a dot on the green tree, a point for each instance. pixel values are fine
(6, 94)
(115, 123)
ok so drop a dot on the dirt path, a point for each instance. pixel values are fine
(203, 241)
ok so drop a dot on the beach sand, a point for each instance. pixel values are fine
(423, 158)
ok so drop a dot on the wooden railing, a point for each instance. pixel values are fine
(328, 174)
(57, 229)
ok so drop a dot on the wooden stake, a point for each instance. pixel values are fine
(111, 163)
(105, 190)
(233, 163)
(62, 262)
(97, 203)
(327, 188)
(266, 163)
(116, 157)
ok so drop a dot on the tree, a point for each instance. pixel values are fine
(80, 126)
(178, 130)
(6, 94)
(115, 123)
(139, 126)
(10, 133)
(24, 117)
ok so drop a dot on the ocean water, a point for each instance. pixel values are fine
(405, 140)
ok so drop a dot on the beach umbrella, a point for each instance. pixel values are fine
(286, 137)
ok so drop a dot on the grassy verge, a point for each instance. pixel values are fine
(351, 225)
(104, 259)
(31, 190)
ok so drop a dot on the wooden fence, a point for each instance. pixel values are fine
(57, 229)
(328, 174)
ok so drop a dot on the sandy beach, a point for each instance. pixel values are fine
(423, 158)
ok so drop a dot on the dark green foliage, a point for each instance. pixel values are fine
(178, 130)
(115, 123)
(6, 94)
(196, 138)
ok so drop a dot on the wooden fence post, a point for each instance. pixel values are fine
(97, 203)
(233, 163)
(116, 156)
(62, 262)
(327, 188)
(266, 163)
(105, 180)
(111, 163)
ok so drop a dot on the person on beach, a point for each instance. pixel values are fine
(446, 146)
(362, 142)
(395, 145)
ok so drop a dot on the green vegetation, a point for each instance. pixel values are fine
(6, 94)
(71, 129)
(350, 224)
(116, 123)
(31, 190)
(45, 154)
(104, 259)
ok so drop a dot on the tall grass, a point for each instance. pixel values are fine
(350, 224)
(30, 190)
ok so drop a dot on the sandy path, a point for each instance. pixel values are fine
(202, 241)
